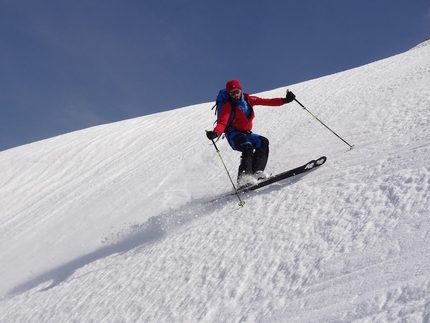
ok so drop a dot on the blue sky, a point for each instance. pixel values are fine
(68, 65)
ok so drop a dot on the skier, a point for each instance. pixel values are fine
(235, 120)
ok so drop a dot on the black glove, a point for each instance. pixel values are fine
(211, 135)
(290, 97)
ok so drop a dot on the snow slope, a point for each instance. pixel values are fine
(112, 223)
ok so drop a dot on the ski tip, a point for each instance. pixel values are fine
(320, 161)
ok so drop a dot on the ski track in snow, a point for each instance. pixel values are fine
(112, 223)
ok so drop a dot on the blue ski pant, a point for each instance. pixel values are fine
(254, 148)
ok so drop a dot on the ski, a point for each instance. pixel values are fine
(289, 173)
(311, 165)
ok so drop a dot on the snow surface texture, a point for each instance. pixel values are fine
(112, 224)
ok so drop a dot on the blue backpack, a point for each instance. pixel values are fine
(221, 99)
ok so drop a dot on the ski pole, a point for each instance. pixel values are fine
(350, 147)
(241, 203)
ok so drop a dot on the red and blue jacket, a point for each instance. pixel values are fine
(240, 121)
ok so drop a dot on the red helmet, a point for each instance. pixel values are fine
(232, 85)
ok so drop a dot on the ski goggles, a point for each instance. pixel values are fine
(234, 92)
